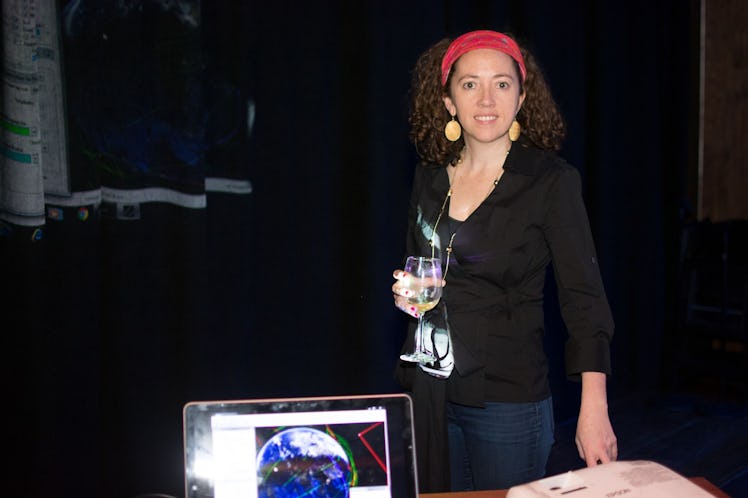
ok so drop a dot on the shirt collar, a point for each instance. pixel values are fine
(523, 159)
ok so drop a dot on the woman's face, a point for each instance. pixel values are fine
(484, 94)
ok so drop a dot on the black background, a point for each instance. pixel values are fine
(113, 325)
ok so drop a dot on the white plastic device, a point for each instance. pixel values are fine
(629, 479)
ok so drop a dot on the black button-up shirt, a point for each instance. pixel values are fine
(494, 292)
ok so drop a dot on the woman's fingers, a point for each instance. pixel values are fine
(402, 304)
(400, 287)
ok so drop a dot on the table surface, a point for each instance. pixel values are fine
(702, 482)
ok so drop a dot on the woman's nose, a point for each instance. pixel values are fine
(486, 97)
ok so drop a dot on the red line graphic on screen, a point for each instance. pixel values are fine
(368, 446)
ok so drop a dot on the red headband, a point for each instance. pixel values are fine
(481, 39)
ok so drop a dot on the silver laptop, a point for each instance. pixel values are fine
(351, 446)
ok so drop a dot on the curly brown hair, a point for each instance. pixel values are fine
(539, 116)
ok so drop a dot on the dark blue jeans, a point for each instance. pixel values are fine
(499, 446)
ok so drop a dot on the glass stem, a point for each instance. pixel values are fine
(419, 335)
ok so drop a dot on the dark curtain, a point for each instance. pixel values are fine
(111, 325)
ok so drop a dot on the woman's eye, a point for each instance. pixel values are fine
(469, 85)
(503, 84)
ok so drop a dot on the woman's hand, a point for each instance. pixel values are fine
(595, 439)
(401, 292)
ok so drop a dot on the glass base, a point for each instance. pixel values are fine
(418, 357)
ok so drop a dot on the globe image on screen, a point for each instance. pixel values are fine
(303, 462)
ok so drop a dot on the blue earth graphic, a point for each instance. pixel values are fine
(303, 462)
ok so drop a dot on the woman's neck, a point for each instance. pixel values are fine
(478, 157)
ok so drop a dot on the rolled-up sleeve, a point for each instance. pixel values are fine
(584, 305)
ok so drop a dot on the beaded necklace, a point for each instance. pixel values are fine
(444, 205)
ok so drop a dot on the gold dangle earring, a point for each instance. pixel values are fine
(514, 131)
(453, 130)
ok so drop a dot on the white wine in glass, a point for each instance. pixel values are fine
(425, 281)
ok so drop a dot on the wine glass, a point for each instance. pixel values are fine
(425, 282)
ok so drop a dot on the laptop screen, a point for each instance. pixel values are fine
(354, 446)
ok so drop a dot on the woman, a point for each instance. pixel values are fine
(497, 205)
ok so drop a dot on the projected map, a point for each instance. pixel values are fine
(255, 457)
